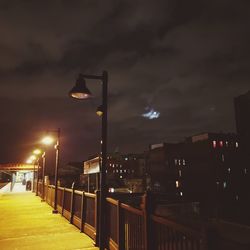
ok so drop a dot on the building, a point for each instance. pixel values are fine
(166, 168)
(126, 170)
(242, 117)
(207, 168)
(122, 171)
(214, 175)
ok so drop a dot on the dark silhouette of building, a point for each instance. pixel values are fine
(206, 168)
(167, 169)
(242, 116)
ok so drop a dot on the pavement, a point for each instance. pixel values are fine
(27, 223)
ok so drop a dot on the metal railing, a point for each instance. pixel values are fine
(127, 227)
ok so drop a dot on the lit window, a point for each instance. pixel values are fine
(181, 194)
(125, 170)
(177, 184)
(183, 162)
(224, 184)
(221, 143)
(227, 143)
(126, 158)
(180, 173)
(245, 170)
(236, 144)
(217, 182)
(229, 170)
(223, 157)
(120, 170)
(120, 176)
(117, 170)
(106, 171)
(179, 161)
(175, 161)
(214, 144)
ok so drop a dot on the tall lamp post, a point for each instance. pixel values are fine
(80, 91)
(47, 141)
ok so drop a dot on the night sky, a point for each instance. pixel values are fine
(183, 60)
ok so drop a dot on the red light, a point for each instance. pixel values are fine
(221, 143)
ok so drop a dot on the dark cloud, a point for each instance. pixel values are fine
(186, 59)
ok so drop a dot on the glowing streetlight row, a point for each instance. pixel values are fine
(47, 140)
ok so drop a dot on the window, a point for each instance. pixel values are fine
(183, 162)
(229, 170)
(224, 184)
(226, 143)
(177, 184)
(245, 170)
(179, 161)
(236, 144)
(181, 194)
(214, 144)
(221, 144)
(180, 173)
(222, 157)
(175, 161)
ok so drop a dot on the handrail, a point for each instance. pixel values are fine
(90, 195)
(112, 201)
(68, 190)
(132, 209)
(78, 192)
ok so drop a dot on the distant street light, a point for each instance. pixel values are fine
(80, 91)
(48, 140)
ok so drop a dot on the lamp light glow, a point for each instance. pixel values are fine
(37, 151)
(48, 140)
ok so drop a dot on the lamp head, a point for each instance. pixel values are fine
(80, 91)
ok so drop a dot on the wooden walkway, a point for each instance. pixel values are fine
(28, 223)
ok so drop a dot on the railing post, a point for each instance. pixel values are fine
(204, 243)
(72, 204)
(82, 211)
(120, 227)
(63, 199)
(147, 210)
(97, 206)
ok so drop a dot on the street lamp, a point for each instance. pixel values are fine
(48, 141)
(80, 91)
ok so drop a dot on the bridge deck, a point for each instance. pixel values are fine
(28, 223)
